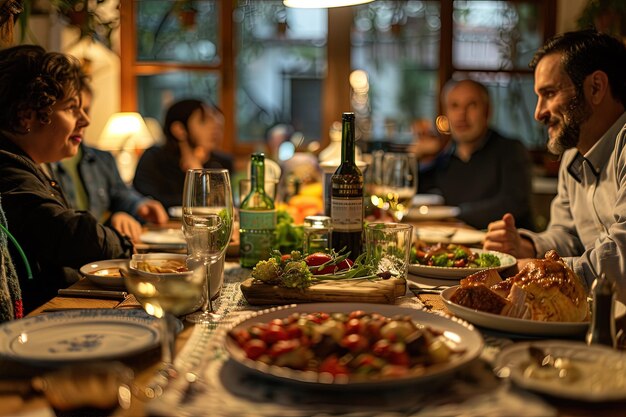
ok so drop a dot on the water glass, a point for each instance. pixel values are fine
(388, 246)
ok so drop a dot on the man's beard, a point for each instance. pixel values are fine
(577, 113)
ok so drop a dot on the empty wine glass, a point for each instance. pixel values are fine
(399, 182)
(208, 226)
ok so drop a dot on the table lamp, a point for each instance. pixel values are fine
(125, 135)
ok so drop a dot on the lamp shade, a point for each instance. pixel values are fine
(322, 4)
(125, 130)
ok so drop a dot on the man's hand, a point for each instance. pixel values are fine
(502, 236)
(152, 211)
(126, 225)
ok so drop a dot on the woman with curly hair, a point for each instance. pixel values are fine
(42, 121)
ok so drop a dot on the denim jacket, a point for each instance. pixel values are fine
(105, 189)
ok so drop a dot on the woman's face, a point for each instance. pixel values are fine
(206, 128)
(60, 138)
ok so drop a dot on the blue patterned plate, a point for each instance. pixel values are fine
(78, 335)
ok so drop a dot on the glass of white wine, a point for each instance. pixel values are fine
(208, 226)
(399, 182)
(164, 295)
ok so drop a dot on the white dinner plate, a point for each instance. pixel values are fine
(175, 212)
(443, 272)
(78, 335)
(164, 237)
(426, 200)
(105, 273)
(426, 212)
(519, 326)
(463, 336)
(600, 369)
(445, 234)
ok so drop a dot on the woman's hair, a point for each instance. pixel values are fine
(32, 79)
(585, 51)
(180, 112)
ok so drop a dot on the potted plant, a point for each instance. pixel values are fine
(89, 16)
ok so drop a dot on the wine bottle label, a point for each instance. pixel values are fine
(347, 214)
(257, 219)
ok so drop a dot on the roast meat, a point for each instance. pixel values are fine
(544, 290)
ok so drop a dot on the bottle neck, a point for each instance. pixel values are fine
(257, 175)
(347, 141)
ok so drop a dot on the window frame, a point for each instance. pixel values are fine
(335, 90)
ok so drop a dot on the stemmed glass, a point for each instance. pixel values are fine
(164, 295)
(399, 182)
(208, 226)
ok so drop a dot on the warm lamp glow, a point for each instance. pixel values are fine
(125, 131)
(322, 4)
(124, 134)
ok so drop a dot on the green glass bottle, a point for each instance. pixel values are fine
(346, 209)
(257, 218)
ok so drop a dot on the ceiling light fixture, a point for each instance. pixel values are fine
(322, 4)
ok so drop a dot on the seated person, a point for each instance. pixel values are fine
(193, 131)
(581, 94)
(91, 182)
(43, 122)
(483, 173)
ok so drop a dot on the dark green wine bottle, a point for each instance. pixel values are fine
(346, 209)
(257, 218)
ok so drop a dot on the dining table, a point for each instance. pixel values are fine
(210, 383)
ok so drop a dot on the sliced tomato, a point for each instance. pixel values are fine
(254, 348)
(332, 365)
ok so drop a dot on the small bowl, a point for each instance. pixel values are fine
(158, 259)
(105, 273)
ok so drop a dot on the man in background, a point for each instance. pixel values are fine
(483, 173)
(581, 90)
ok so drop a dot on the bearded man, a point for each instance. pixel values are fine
(581, 90)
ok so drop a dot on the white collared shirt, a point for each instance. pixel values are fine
(588, 215)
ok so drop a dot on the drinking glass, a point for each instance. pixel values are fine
(164, 295)
(207, 226)
(399, 182)
(388, 246)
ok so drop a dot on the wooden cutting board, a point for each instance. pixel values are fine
(357, 291)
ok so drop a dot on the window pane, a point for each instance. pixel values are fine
(495, 34)
(397, 45)
(513, 106)
(158, 92)
(281, 62)
(178, 31)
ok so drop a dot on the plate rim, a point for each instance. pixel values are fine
(101, 280)
(533, 327)
(445, 272)
(452, 211)
(94, 315)
(503, 360)
(161, 232)
(452, 239)
(549, 328)
(235, 353)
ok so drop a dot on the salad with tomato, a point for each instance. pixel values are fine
(295, 270)
(452, 256)
(357, 345)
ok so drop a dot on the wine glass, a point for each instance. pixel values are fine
(208, 226)
(164, 295)
(399, 182)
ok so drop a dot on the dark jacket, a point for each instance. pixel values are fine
(105, 189)
(159, 175)
(495, 181)
(56, 239)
